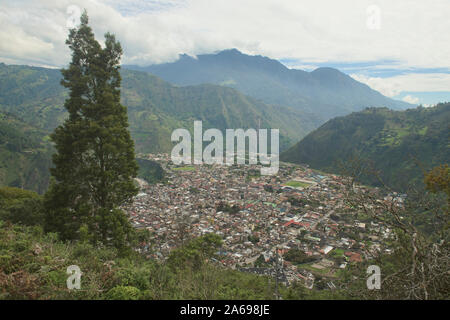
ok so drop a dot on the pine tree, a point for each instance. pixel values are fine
(94, 164)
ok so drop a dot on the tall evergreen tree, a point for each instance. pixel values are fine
(95, 164)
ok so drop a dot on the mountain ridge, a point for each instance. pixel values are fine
(325, 92)
(35, 98)
(400, 145)
(34, 94)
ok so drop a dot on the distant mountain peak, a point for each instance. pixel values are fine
(328, 75)
(325, 92)
(326, 69)
(232, 51)
(185, 57)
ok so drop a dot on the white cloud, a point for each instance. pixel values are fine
(411, 99)
(419, 82)
(305, 67)
(411, 31)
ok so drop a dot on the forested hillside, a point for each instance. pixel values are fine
(321, 94)
(401, 145)
(155, 107)
(32, 106)
(25, 154)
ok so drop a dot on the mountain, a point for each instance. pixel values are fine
(25, 154)
(155, 107)
(323, 93)
(34, 101)
(399, 144)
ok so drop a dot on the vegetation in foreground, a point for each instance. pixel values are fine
(33, 265)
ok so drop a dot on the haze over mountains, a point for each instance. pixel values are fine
(321, 94)
(155, 107)
(224, 90)
(32, 106)
(401, 145)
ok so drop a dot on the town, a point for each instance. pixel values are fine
(295, 225)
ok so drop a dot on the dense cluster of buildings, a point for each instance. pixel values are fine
(259, 217)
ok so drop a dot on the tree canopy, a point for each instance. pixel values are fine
(94, 164)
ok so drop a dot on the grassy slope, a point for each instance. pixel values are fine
(33, 266)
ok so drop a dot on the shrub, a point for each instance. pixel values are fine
(123, 293)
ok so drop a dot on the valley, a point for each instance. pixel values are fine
(259, 217)
(394, 147)
(208, 151)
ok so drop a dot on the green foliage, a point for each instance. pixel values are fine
(416, 267)
(400, 279)
(225, 207)
(438, 180)
(150, 171)
(260, 262)
(95, 162)
(297, 184)
(123, 293)
(297, 256)
(24, 154)
(253, 239)
(21, 206)
(392, 143)
(33, 266)
(155, 108)
(195, 251)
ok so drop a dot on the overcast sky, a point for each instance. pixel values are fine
(400, 48)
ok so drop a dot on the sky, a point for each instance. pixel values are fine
(400, 48)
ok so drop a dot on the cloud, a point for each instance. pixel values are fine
(411, 99)
(419, 82)
(411, 31)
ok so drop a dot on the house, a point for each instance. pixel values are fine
(326, 250)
